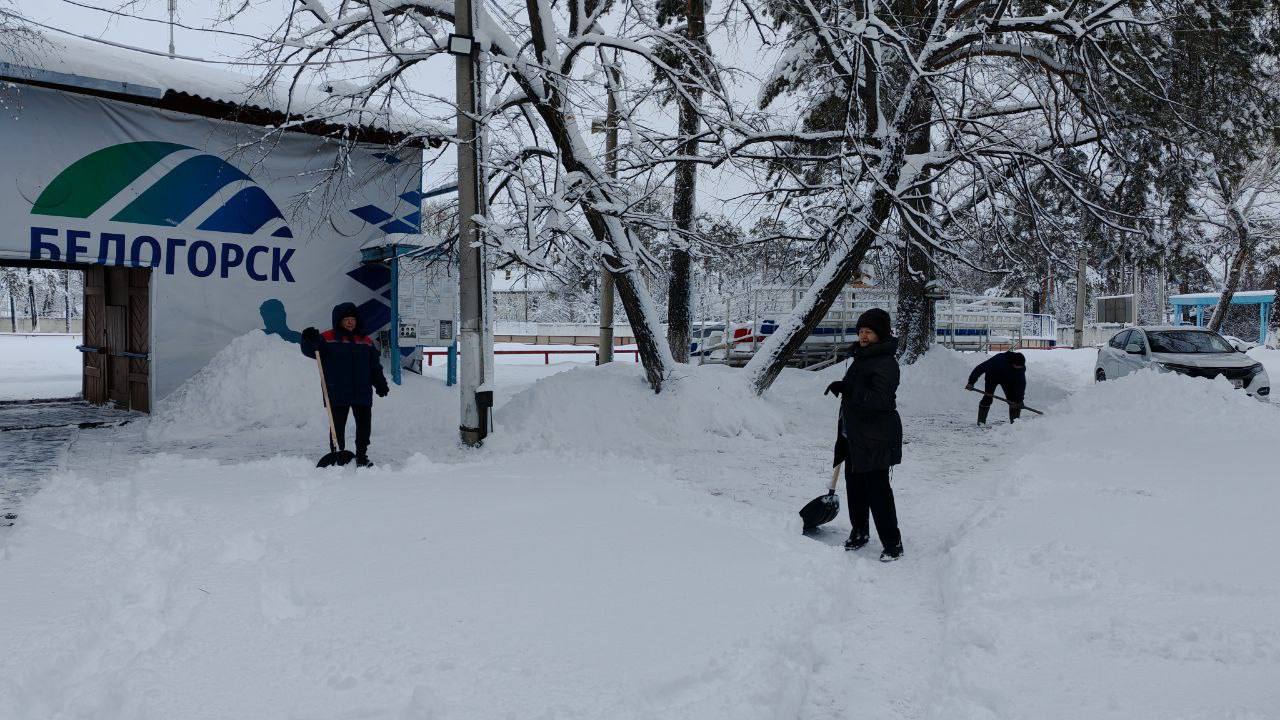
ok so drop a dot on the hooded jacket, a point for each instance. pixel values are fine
(1000, 371)
(872, 428)
(352, 363)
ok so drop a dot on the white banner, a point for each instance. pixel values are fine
(428, 302)
(242, 229)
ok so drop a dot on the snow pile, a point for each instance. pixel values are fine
(610, 408)
(520, 587)
(934, 384)
(257, 381)
(264, 393)
(1130, 549)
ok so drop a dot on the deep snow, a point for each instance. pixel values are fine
(39, 366)
(610, 553)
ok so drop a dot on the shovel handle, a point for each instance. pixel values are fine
(328, 410)
(993, 395)
(835, 478)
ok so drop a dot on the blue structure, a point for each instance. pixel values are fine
(1262, 298)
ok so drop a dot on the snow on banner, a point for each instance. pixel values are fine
(230, 224)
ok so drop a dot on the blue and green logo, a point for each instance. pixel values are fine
(93, 181)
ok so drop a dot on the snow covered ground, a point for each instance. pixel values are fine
(39, 366)
(614, 554)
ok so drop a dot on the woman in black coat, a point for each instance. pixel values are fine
(870, 437)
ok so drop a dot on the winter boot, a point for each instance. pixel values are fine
(982, 414)
(856, 540)
(891, 553)
(363, 461)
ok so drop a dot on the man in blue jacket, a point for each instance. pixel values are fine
(352, 371)
(1007, 371)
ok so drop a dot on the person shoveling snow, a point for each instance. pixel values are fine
(1007, 371)
(870, 438)
(352, 372)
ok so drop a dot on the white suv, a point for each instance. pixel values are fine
(1185, 350)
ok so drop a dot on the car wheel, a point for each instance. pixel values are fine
(1099, 375)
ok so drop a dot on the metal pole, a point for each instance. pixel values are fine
(394, 340)
(605, 345)
(451, 370)
(1082, 298)
(471, 266)
(173, 10)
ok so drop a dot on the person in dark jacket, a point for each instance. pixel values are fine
(869, 442)
(1007, 371)
(352, 372)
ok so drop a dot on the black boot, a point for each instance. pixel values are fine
(857, 540)
(362, 460)
(891, 553)
(982, 414)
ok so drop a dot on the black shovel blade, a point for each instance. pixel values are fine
(820, 511)
(339, 457)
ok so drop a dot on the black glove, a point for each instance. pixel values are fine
(970, 387)
(834, 388)
(311, 335)
(382, 391)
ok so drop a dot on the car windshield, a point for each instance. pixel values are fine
(1188, 341)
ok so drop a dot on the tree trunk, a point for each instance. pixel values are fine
(1244, 248)
(598, 204)
(767, 363)
(683, 211)
(915, 311)
(765, 366)
(31, 301)
(1082, 299)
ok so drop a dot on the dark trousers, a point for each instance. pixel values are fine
(364, 424)
(984, 405)
(869, 493)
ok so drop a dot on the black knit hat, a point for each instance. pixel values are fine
(877, 321)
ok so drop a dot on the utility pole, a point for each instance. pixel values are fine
(474, 388)
(1082, 298)
(604, 352)
(173, 11)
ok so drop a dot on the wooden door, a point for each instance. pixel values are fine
(117, 342)
(117, 319)
(139, 341)
(95, 334)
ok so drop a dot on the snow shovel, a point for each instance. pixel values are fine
(1024, 407)
(337, 457)
(824, 508)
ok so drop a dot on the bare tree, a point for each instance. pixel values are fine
(547, 179)
(1002, 87)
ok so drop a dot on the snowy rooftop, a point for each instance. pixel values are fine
(104, 67)
(1216, 295)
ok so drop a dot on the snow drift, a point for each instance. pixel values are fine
(265, 393)
(610, 408)
(258, 381)
(1140, 517)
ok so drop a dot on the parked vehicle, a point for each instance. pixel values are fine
(1195, 352)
